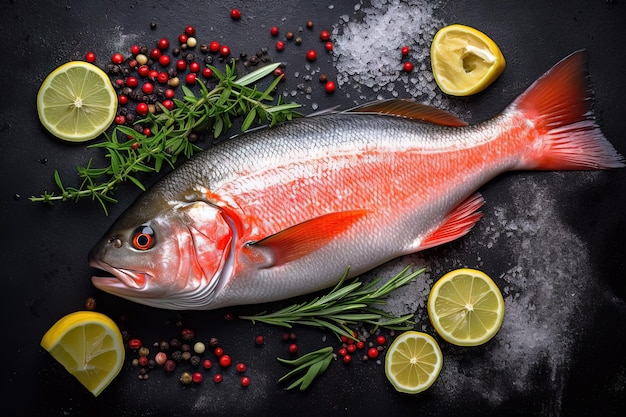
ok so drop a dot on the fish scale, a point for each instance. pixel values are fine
(281, 212)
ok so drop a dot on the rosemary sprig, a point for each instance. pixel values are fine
(348, 303)
(308, 366)
(208, 111)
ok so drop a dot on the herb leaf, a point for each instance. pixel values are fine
(131, 152)
(345, 305)
(308, 366)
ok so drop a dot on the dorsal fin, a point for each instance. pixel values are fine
(412, 110)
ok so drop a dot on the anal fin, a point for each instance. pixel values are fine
(457, 223)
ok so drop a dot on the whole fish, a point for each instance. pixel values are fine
(283, 211)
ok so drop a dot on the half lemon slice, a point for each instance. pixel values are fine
(76, 102)
(89, 345)
(413, 362)
(464, 60)
(466, 307)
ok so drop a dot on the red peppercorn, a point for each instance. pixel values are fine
(117, 58)
(217, 378)
(169, 93)
(155, 53)
(141, 109)
(311, 55)
(274, 30)
(132, 63)
(153, 74)
(408, 67)
(214, 46)
(347, 359)
(381, 340)
(259, 340)
(147, 131)
(181, 65)
(372, 353)
(235, 14)
(182, 38)
(190, 30)
(164, 60)
(293, 348)
(160, 358)
(196, 377)
(280, 45)
(135, 49)
(163, 77)
(360, 344)
(245, 381)
(190, 78)
(143, 70)
(122, 99)
(330, 86)
(169, 365)
(324, 35)
(218, 351)
(207, 72)
(344, 338)
(351, 348)
(404, 51)
(143, 360)
(119, 82)
(90, 57)
(343, 352)
(168, 104)
(224, 51)
(120, 120)
(132, 82)
(163, 43)
(207, 364)
(147, 88)
(225, 361)
(134, 344)
(241, 367)
(328, 46)
(194, 67)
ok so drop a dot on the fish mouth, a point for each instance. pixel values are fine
(122, 281)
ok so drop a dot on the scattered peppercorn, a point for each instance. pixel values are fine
(274, 31)
(407, 66)
(311, 55)
(207, 364)
(199, 348)
(372, 353)
(218, 351)
(160, 358)
(235, 14)
(186, 378)
(404, 51)
(245, 381)
(309, 24)
(153, 25)
(217, 378)
(330, 87)
(280, 46)
(225, 361)
(293, 348)
(169, 365)
(134, 344)
(90, 57)
(90, 302)
(240, 367)
(196, 377)
(143, 351)
(259, 340)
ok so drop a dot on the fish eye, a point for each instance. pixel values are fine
(143, 238)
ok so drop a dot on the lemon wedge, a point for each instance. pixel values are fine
(466, 307)
(413, 362)
(89, 345)
(464, 60)
(76, 102)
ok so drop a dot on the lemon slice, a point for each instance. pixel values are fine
(464, 60)
(413, 362)
(466, 307)
(89, 345)
(76, 102)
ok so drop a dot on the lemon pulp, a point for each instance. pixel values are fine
(466, 307)
(464, 60)
(413, 362)
(89, 345)
(76, 102)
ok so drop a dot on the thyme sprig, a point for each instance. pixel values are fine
(308, 366)
(131, 153)
(348, 303)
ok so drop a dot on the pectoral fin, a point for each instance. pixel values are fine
(302, 239)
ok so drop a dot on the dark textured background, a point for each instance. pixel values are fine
(44, 268)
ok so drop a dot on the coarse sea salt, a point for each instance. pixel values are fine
(367, 48)
(546, 282)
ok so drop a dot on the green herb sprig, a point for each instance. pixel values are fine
(209, 111)
(308, 366)
(348, 303)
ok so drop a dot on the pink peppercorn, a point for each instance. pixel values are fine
(160, 358)
(196, 377)
(245, 381)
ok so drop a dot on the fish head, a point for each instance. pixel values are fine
(166, 254)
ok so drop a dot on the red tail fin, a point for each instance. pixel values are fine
(559, 105)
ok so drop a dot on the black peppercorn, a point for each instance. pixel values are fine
(153, 25)
(208, 59)
(195, 360)
(176, 51)
(177, 355)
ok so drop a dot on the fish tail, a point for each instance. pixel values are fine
(559, 106)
